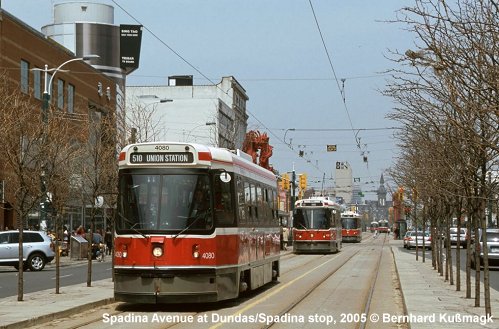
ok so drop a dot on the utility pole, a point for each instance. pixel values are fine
(293, 188)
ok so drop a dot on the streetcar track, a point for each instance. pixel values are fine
(121, 309)
(367, 306)
(312, 289)
(316, 285)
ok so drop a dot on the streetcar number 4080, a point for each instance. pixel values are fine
(208, 255)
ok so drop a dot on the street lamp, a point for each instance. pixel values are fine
(48, 82)
(161, 100)
(141, 119)
(45, 105)
(289, 144)
(212, 123)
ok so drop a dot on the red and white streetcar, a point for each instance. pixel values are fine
(383, 226)
(316, 226)
(194, 224)
(351, 226)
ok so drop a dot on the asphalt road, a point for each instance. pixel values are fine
(70, 274)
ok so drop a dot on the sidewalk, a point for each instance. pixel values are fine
(434, 303)
(430, 301)
(46, 305)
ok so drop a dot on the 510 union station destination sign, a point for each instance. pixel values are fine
(156, 157)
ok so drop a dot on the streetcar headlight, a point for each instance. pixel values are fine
(157, 251)
(124, 252)
(195, 251)
(311, 235)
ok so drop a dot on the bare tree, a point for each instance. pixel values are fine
(449, 88)
(21, 137)
(98, 169)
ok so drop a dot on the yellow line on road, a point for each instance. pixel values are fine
(258, 301)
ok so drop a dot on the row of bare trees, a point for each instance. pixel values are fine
(447, 95)
(68, 160)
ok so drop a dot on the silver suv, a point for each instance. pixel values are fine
(37, 249)
(462, 236)
(492, 247)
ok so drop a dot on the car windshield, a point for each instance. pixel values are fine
(454, 231)
(349, 223)
(420, 234)
(164, 202)
(312, 218)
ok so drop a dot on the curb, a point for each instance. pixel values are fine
(62, 314)
(400, 285)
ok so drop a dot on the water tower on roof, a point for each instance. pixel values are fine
(86, 27)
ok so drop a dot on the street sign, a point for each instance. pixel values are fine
(331, 148)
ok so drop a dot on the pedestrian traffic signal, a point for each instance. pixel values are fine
(303, 181)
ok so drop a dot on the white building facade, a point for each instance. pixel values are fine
(207, 114)
(344, 181)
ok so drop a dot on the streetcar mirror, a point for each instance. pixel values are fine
(225, 177)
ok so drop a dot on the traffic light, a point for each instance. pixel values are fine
(303, 181)
(401, 194)
(285, 181)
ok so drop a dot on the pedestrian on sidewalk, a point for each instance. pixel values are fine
(108, 240)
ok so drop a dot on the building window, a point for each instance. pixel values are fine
(37, 84)
(24, 76)
(60, 93)
(71, 98)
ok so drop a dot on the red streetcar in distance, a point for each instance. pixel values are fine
(383, 226)
(351, 230)
(194, 224)
(374, 227)
(316, 226)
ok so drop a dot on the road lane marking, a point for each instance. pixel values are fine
(62, 276)
(258, 301)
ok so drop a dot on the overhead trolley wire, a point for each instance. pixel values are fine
(334, 72)
(202, 74)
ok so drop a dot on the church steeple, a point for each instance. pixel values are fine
(381, 192)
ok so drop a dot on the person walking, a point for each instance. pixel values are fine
(108, 240)
(285, 237)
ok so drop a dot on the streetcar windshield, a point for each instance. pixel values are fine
(349, 223)
(172, 202)
(312, 218)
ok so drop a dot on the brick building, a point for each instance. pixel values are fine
(78, 90)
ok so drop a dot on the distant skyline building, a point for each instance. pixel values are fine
(344, 181)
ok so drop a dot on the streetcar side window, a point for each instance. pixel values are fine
(267, 205)
(258, 204)
(241, 204)
(248, 199)
(224, 210)
(275, 201)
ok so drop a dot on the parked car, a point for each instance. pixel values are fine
(492, 247)
(411, 240)
(406, 237)
(453, 237)
(37, 249)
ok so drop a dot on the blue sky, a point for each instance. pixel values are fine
(274, 49)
